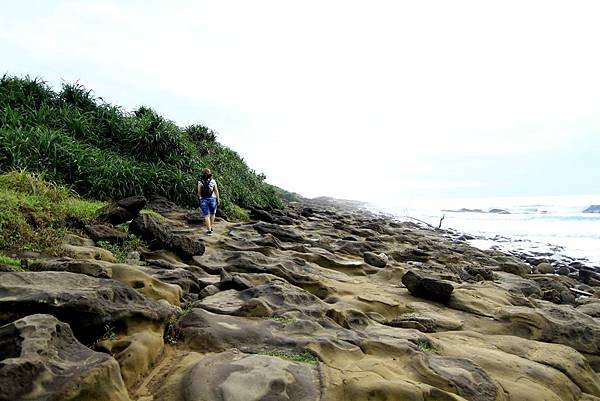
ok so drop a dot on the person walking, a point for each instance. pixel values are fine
(208, 193)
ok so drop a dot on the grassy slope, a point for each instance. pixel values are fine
(102, 152)
(35, 214)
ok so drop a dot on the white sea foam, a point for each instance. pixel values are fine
(533, 222)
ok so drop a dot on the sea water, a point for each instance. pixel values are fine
(548, 224)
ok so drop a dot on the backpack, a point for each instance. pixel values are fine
(205, 190)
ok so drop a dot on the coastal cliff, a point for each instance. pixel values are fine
(315, 301)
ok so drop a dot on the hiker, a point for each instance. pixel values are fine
(208, 193)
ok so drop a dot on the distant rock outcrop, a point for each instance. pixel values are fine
(592, 209)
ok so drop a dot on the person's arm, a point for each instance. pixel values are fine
(199, 189)
(217, 192)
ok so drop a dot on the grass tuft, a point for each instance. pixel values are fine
(303, 357)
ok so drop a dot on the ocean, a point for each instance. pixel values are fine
(551, 224)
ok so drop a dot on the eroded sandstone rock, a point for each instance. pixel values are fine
(40, 359)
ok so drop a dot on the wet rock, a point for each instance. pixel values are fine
(427, 287)
(377, 260)
(104, 232)
(42, 360)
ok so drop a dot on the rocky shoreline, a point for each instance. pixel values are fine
(319, 301)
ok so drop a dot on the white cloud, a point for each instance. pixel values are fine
(319, 95)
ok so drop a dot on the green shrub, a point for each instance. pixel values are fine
(100, 151)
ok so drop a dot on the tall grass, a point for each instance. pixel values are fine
(101, 151)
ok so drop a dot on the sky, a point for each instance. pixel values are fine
(385, 101)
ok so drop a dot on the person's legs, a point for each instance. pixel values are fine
(204, 209)
(212, 210)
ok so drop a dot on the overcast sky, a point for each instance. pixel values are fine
(372, 100)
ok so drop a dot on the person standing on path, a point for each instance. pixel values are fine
(208, 193)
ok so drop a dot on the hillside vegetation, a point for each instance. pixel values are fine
(35, 214)
(101, 151)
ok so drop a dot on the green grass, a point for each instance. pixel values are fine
(279, 319)
(303, 357)
(102, 152)
(14, 264)
(34, 214)
(425, 346)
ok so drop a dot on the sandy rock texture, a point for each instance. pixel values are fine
(319, 301)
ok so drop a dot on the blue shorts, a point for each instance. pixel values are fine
(208, 206)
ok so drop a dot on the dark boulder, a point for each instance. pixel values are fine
(262, 215)
(377, 260)
(161, 204)
(121, 211)
(104, 232)
(427, 287)
(42, 360)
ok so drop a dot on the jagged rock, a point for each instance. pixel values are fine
(159, 236)
(307, 212)
(87, 304)
(208, 291)
(262, 215)
(377, 260)
(89, 267)
(283, 234)
(40, 359)
(545, 268)
(427, 287)
(103, 232)
(520, 269)
(411, 254)
(121, 211)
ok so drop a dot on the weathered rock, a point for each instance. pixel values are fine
(520, 269)
(84, 248)
(262, 215)
(89, 267)
(563, 271)
(161, 205)
(545, 268)
(87, 304)
(159, 236)
(377, 260)
(231, 376)
(103, 232)
(411, 254)
(284, 234)
(40, 359)
(427, 287)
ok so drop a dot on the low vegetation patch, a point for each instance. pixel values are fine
(103, 152)
(303, 357)
(36, 214)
